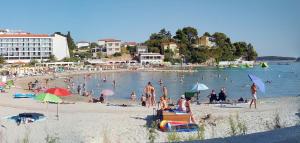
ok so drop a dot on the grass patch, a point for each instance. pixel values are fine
(152, 132)
(237, 127)
(173, 137)
(52, 138)
(276, 123)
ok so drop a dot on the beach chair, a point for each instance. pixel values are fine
(174, 116)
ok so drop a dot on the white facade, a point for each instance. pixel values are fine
(141, 49)
(111, 46)
(82, 44)
(60, 47)
(23, 47)
(151, 58)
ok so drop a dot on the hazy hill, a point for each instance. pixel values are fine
(274, 58)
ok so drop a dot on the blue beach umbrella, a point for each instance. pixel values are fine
(258, 82)
(198, 87)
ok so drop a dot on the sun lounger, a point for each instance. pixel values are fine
(172, 116)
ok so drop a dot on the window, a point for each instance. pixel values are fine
(117, 44)
(109, 44)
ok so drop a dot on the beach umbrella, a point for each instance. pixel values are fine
(58, 91)
(47, 97)
(198, 87)
(258, 82)
(107, 92)
(2, 84)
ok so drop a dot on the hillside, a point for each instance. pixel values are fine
(274, 58)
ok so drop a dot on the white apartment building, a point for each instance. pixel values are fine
(110, 46)
(151, 58)
(82, 44)
(23, 47)
(141, 49)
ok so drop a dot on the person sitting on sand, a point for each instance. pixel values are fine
(212, 96)
(101, 99)
(222, 95)
(143, 100)
(254, 97)
(163, 104)
(133, 96)
(189, 110)
(181, 104)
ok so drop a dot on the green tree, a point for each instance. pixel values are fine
(131, 49)
(251, 53)
(2, 60)
(156, 39)
(52, 58)
(207, 34)
(33, 62)
(99, 54)
(71, 44)
(93, 45)
(117, 54)
(168, 55)
(191, 33)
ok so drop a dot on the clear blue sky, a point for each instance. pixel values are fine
(272, 26)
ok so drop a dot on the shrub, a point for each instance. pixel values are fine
(237, 127)
(152, 132)
(117, 54)
(173, 137)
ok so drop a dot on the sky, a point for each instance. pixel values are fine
(272, 26)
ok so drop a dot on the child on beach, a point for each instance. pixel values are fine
(143, 100)
(133, 96)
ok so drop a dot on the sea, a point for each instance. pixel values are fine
(280, 80)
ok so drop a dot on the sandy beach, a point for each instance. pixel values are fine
(95, 122)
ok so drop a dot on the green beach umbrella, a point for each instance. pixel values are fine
(46, 97)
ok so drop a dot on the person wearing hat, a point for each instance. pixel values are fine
(181, 104)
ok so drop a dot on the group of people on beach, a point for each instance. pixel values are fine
(214, 98)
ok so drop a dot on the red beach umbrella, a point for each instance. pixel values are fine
(58, 91)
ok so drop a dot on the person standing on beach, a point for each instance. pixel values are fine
(152, 96)
(165, 92)
(253, 92)
(147, 91)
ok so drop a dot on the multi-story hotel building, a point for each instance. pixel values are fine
(23, 47)
(110, 46)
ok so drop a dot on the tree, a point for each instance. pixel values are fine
(52, 58)
(117, 54)
(93, 45)
(168, 55)
(131, 49)
(191, 33)
(251, 53)
(33, 62)
(99, 54)
(71, 44)
(207, 34)
(2, 60)
(156, 39)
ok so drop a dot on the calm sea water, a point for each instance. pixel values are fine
(285, 81)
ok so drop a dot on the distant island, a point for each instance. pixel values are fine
(276, 58)
(298, 59)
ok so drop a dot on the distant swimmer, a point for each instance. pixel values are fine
(104, 79)
(114, 83)
(268, 81)
(160, 82)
